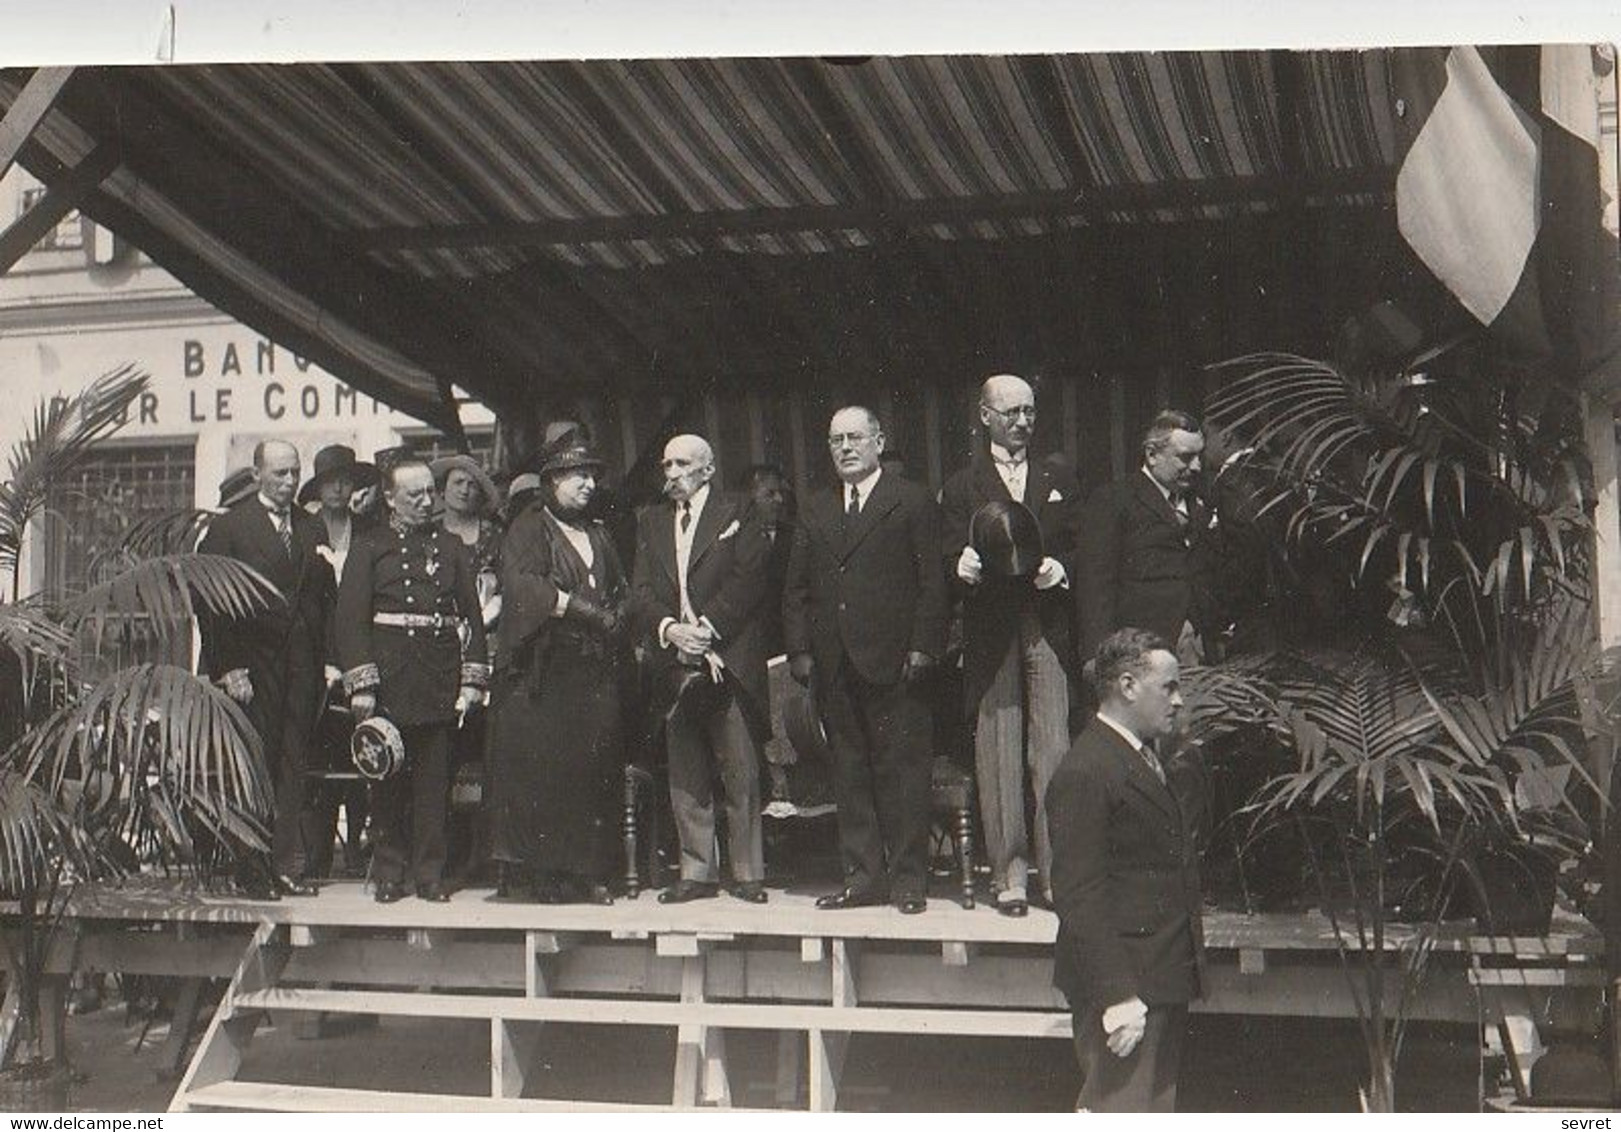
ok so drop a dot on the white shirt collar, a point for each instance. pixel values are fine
(1003, 456)
(697, 501)
(865, 486)
(1123, 731)
(1163, 490)
(271, 507)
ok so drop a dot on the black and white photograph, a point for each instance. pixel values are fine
(1023, 573)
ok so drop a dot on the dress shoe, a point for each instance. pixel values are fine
(389, 891)
(911, 905)
(433, 892)
(850, 898)
(683, 891)
(1014, 908)
(258, 888)
(598, 894)
(292, 886)
(750, 892)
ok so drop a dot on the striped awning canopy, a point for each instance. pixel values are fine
(626, 223)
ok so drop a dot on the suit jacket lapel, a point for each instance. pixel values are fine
(1149, 494)
(883, 501)
(1143, 781)
(1037, 486)
(988, 485)
(715, 513)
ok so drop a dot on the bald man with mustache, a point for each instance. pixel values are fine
(698, 601)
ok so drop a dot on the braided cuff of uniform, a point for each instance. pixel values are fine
(475, 675)
(361, 678)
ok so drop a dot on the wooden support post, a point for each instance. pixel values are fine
(790, 1067)
(513, 1049)
(61, 198)
(956, 954)
(688, 1050)
(28, 110)
(1251, 961)
(827, 1048)
(10, 1015)
(172, 1060)
(219, 1056)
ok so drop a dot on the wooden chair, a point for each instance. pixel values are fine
(951, 800)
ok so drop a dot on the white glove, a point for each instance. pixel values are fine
(1125, 1023)
(969, 566)
(238, 686)
(1051, 574)
(363, 705)
(333, 675)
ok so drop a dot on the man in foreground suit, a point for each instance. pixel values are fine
(1126, 883)
(698, 600)
(1018, 640)
(273, 664)
(864, 622)
(1143, 560)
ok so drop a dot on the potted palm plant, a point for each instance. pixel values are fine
(1442, 727)
(110, 763)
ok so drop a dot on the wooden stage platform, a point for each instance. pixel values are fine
(814, 977)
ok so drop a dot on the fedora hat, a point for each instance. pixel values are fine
(568, 451)
(238, 485)
(333, 460)
(443, 466)
(1008, 539)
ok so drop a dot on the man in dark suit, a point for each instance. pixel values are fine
(864, 621)
(1018, 640)
(273, 665)
(698, 601)
(1126, 883)
(1143, 562)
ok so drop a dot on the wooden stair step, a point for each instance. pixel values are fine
(267, 1096)
(733, 1015)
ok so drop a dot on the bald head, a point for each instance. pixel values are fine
(689, 463)
(275, 468)
(1007, 409)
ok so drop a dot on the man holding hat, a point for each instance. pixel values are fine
(699, 601)
(407, 590)
(1017, 636)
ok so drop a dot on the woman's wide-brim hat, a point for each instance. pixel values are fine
(568, 452)
(335, 460)
(443, 466)
(1007, 537)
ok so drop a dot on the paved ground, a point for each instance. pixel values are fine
(1234, 1065)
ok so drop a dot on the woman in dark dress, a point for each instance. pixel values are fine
(555, 734)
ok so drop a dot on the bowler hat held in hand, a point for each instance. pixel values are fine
(1007, 538)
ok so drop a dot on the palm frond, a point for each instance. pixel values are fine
(63, 432)
(36, 835)
(144, 744)
(168, 591)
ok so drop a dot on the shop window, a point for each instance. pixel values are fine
(89, 513)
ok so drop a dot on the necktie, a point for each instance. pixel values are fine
(284, 528)
(854, 508)
(1152, 759)
(686, 516)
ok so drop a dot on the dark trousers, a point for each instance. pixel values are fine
(283, 711)
(1142, 1081)
(409, 809)
(880, 738)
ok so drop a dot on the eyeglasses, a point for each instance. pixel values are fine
(1018, 412)
(840, 439)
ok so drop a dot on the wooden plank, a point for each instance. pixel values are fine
(28, 110)
(689, 1035)
(172, 1060)
(310, 935)
(812, 949)
(260, 1096)
(220, 1053)
(1537, 977)
(694, 1012)
(10, 1015)
(956, 953)
(1251, 961)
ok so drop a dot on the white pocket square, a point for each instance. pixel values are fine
(730, 530)
(1055, 496)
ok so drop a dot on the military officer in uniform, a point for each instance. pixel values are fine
(407, 588)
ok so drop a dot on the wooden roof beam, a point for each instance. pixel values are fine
(27, 110)
(870, 215)
(61, 198)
